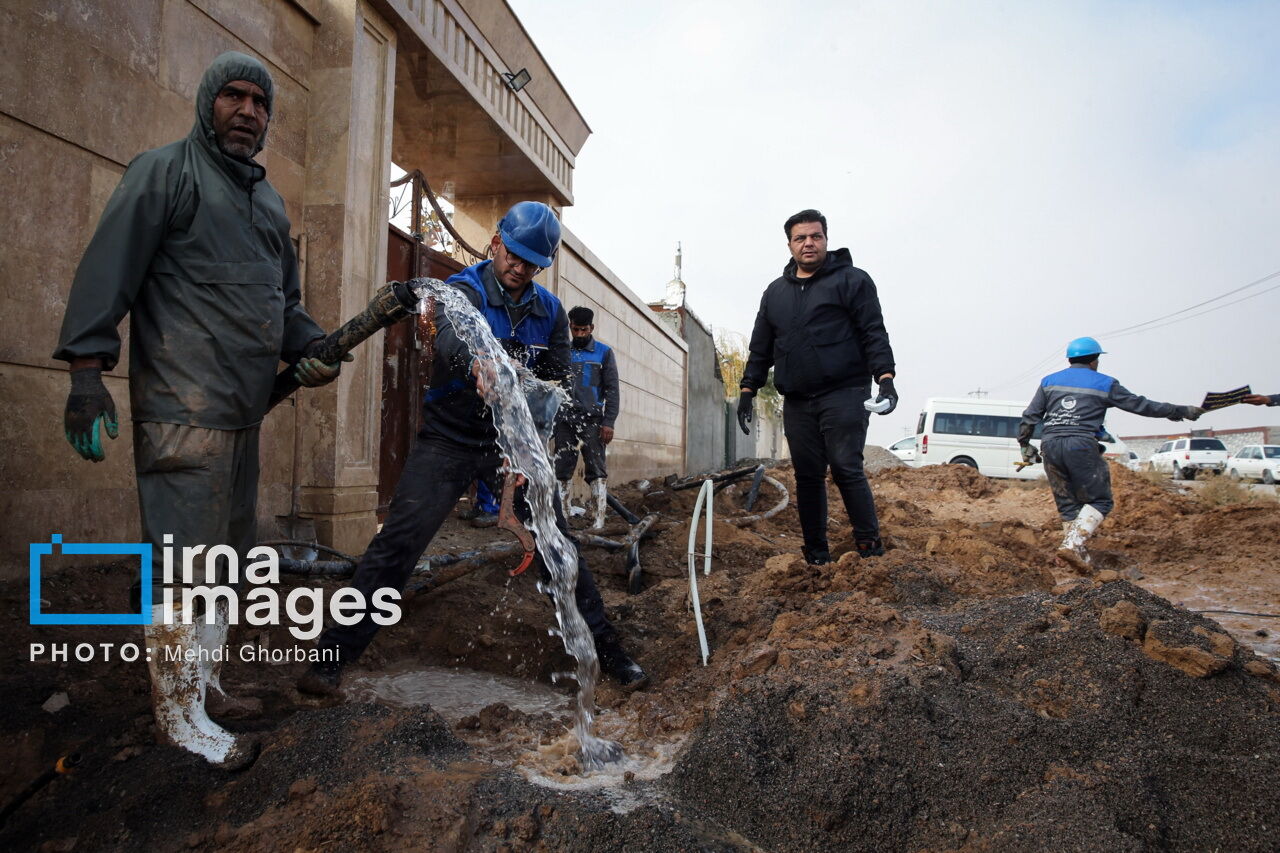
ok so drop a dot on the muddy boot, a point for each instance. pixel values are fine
(618, 665)
(178, 696)
(216, 701)
(868, 548)
(600, 491)
(566, 506)
(1072, 549)
(322, 678)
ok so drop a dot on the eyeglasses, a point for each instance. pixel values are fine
(518, 262)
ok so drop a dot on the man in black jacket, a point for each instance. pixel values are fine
(820, 328)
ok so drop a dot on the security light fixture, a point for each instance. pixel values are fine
(517, 81)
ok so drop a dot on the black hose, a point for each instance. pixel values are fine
(755, 488)
(62, 766)
(1241, 613)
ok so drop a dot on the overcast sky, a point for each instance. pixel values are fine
(1011, 175)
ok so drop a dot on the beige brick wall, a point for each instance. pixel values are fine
(649, 440)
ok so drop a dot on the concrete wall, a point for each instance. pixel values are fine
(87, 87)
(704, 441)
(765, 442)
(649, 438)
(1234, 439)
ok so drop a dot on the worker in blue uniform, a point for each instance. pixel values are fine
(1071, 404)
(588, 418)
(458, 440)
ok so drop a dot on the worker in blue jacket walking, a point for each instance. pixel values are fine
(458, 442)
(590, 414)
(1072, 404)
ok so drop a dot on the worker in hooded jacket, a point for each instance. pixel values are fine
(194, 246)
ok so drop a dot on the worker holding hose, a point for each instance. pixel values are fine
(458, 442)
(1071, 404)
(194, 246)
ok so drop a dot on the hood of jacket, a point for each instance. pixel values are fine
(229, 66)
(836, 259)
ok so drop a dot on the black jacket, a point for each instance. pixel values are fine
(819, 333)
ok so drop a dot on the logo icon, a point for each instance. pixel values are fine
(1068, 403)
(39, 550)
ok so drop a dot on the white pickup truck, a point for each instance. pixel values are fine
(1186, 457)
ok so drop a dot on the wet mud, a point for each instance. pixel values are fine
(964, 693)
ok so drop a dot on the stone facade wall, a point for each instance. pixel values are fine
(88, 86)
(649, 439)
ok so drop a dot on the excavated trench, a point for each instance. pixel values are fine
(960, 693)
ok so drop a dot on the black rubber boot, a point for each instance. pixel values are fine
(322, 679)
(870, 548)
(619, 666)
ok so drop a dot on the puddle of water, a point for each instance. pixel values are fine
(459, 693)
(1244, 629)
(455, 693)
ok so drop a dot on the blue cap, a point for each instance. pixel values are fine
(531, 231)
(1084, 346)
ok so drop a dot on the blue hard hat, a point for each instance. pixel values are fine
(1084, 346)
(531, 231)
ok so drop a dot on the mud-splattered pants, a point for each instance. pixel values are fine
(199, 485)
(571, 431)
(435, 475)
(830, 430)
(1078, 475)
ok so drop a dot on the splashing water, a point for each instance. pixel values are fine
(526, 452)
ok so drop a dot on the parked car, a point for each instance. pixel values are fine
(1186, 457)
(1256, 462)
(1133, 463)
(905, 450)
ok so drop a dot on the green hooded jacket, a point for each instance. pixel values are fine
(194, 246)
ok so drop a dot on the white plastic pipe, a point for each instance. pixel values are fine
(707, 494)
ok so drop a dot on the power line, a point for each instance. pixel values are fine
(1148, 326)
(1117, 332)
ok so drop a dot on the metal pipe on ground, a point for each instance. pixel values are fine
(777, 508)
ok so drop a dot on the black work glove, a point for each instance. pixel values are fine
(311, 372)
(887, 392)
(1030, 454)
(746, 410)
(1190, 413)
(89, 406)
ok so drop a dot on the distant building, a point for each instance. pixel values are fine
(1234, 439)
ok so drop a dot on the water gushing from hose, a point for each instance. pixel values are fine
(526, 452)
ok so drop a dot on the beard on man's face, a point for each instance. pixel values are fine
(235, 149)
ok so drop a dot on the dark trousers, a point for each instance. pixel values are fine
(830, 430)
(1078, 474)
(200, 486)
(435, 476)
(569, 433)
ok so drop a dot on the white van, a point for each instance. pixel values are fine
(983, 434)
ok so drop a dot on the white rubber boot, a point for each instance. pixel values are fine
(214, 639)
(600, 490)
(566, 506)
(178, 694)
(1077, 533)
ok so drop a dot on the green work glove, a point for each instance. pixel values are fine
(311, 372)
(89, 406)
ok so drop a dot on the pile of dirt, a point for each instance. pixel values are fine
(963, 692)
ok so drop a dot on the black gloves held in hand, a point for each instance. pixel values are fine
(887, 392)
(746, 410)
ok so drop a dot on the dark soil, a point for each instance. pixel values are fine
(961, 693)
